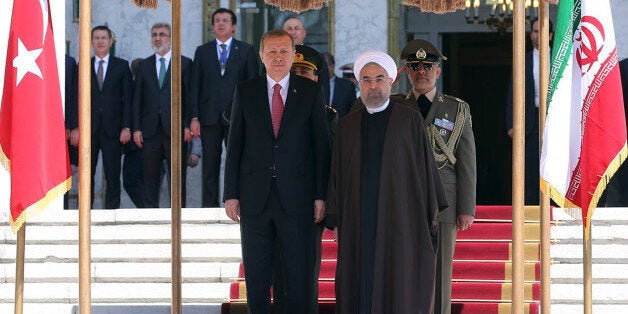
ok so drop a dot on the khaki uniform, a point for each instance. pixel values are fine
(451, 135)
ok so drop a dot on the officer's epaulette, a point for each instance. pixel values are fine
(454, 98)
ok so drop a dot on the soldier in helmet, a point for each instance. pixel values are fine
(448, 121)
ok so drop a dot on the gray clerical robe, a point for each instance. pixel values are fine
(410, 197)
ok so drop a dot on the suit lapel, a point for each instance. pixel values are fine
(213, 56)
(152, 71)
(434, 108)
(94, 80)
(265, 106)
(234, 53)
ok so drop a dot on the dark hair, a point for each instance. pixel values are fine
(329, 58)
(536, 19)
(234, 18)
(275, 33)
(102, 28)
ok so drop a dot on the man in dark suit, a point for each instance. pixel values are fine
(276, 175)
(111, 111)
(342, 92)
(152, 112)
(71, 115)
(532, 190)
(218, 66)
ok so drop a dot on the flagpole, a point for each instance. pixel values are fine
(175, 154)
(518, 155)
(19, 270)
(587, 267)
(85, 159)
(545, 200)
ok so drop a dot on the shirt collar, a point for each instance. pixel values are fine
(105, 58)
(284, 82)
(226, 42)
(430, 95)
(167, 56)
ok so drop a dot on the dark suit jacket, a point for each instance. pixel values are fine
(115, 100)
(210, 92)
(149, 100)
(530, 108)
(301, 152)
(623, 69)
(344, 96)
(71, 93)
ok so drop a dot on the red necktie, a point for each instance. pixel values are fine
(277, 109)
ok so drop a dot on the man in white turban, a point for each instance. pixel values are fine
(383, 200)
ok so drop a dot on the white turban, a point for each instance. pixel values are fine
(375, 56)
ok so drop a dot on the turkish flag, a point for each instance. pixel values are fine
(32, 134)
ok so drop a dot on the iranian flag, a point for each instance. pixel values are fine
(584, 141)
(33, 147)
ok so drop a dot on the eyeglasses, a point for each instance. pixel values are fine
(378, 80)
(427, 66)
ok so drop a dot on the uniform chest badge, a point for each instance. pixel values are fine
(444, 124)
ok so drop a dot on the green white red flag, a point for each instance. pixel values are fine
(33, 146)
(584, 140)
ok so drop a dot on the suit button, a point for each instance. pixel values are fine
(275, 146)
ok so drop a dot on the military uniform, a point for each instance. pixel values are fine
(448, 121)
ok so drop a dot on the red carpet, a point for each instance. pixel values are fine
(481, 270)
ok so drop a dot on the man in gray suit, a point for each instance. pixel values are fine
(448, 121)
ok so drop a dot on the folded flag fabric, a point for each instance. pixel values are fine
(584, 140)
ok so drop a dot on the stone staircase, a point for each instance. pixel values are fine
(609, 256)
(131, 261)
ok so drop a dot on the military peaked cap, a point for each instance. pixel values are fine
(421, 50)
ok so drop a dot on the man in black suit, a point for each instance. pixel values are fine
(111, 111)
(151, 112)
(71, 115)
(341, 91)
(532, 190)
(218, 66)
(276, 175)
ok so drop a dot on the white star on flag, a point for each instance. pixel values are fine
(25, 61)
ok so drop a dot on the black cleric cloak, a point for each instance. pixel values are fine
(410, 197)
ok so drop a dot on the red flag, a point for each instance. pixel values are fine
(33, 147)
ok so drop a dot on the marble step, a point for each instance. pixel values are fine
(123, 272)
(128, 234)
(46, 292)
(156, 253)
(114, 308)
(125, 215)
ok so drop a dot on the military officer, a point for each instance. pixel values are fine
(448, 120)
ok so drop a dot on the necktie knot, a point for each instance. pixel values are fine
(101, 62)
(277, 88)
